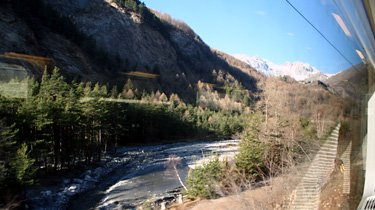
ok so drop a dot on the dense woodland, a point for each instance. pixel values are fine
(61, 125)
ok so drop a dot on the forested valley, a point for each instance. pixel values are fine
(144, 79)
(62, 125)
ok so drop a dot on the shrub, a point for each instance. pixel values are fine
(251, 151)
(309, 131)
(345, 128)
(233, 181)
(250, 157)
(203, 182)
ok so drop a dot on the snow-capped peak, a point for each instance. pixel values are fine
(257, 63)
(298, 70)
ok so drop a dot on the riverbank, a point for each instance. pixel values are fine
(135, 167)
(57, 196)
(148, 176)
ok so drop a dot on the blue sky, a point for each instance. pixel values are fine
(270, 29)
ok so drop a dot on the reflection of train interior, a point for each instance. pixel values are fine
(16, 67)
(354, 155)
(358, 19)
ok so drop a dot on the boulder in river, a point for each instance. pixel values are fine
(88, 178)
(73, 189)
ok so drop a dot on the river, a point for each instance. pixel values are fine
(148, 175)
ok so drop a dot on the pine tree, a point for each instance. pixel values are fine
(250, 156)
(87, 89)
(103, 91)
(7, 148)
(96, 91)
(114, 92)
(50, 105)
(22, 166)
(128, 86)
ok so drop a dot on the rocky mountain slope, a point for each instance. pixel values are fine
(103, 40)
(297, 70)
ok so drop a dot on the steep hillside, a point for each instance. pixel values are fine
(351, 83)
(103, 40)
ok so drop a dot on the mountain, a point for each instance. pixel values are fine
(351, 83)
(105, 40)
(297, 70)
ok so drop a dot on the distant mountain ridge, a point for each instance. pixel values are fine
(297, 70)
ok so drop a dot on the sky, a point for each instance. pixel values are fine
(270, 29)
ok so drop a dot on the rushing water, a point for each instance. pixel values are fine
(148, 174)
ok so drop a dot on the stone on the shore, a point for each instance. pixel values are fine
(46, 193)
(78, 181)
(73, 189)
(88, 178)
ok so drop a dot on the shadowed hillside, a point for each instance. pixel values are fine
(351, 83)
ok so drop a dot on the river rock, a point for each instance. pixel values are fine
(179, 199)
(73, 189)
(46, 193)
(88, 178)
(98, 171)
(61, 197)
(78, 181)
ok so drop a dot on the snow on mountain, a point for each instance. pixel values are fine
(297, 70)
(257, 63)
(331, 75)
